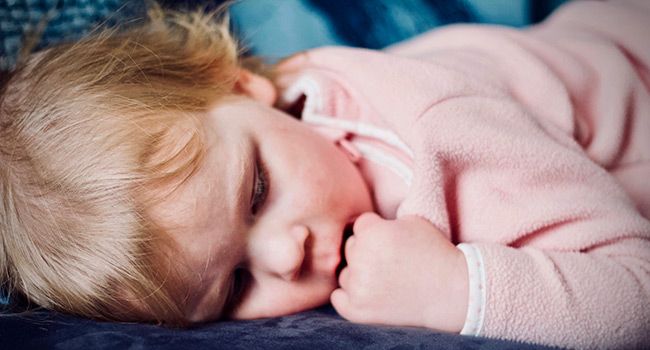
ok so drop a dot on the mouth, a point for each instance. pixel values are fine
(347, 233)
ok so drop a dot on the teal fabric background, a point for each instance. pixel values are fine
(271, 28)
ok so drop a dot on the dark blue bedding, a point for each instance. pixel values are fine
(315, 329)
(272, 29)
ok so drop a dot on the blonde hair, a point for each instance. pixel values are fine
(88, 131)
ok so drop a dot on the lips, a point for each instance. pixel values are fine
(347, 233)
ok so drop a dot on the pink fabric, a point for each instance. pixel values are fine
(533, 146)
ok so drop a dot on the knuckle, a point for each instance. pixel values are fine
(359, 294)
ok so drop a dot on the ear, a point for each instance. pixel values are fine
(256, 87)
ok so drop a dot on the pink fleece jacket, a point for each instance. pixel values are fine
(531, 147)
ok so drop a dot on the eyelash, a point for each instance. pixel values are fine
(260, 187)
(241, 277)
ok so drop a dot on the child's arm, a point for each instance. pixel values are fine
(534, 174)
(532, 166)
(402, 272)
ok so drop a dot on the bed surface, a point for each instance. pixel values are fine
(316, 329)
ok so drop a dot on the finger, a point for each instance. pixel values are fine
(345, 307)
(349, 248)
(344, 278)
(365, 221)
(340, 301)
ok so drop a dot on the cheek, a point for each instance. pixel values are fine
(280, 300)
(302, 165)
(317, 190)
(317, 172)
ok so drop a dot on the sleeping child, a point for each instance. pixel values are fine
(490, 179)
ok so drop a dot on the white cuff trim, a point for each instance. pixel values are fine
(477, 294)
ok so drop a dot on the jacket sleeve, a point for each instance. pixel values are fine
(566, 254)
(526, 174)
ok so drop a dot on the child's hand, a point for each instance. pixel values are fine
(402, 272)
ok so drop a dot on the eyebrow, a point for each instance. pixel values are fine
(240, 197)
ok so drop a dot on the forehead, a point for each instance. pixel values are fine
(200, 218)
(202, 204)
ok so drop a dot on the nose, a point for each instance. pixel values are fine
(279, 254)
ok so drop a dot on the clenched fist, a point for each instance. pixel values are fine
(402, 272)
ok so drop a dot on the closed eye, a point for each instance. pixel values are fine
(260, 187)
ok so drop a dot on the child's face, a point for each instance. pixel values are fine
(279, 243)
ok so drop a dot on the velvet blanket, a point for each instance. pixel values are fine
(316, 329)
